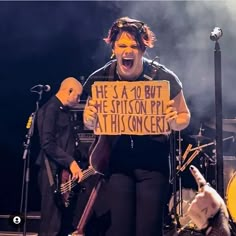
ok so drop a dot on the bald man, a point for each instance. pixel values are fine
(57, 148)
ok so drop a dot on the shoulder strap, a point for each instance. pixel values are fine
(112, 70)
(151, 69)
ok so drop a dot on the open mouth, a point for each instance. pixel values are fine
(127, 63)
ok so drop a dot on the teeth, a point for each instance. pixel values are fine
(127, 58)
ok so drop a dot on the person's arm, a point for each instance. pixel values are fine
(90, 114)
(208, 210)
(48, 140)
(177, 113)
(218, 225)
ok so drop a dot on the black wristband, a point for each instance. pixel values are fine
(218, 225)
(207, 230)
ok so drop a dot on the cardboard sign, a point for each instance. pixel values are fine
(131, 107)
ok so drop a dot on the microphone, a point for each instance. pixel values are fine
(40, 88)
(216, 34)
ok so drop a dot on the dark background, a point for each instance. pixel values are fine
(45, 42)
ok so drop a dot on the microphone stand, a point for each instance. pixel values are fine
(219, 137)
(173, 175)
(218, 112)
(180, 197)
(26, 158)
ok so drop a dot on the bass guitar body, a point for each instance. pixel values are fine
(99, 161)
(67, 187)
(99, 155)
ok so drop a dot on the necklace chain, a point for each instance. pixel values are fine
(118, 74)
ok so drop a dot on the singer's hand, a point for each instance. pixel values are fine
(206, 203)
(90, 114)
(171, 112)
(177, 113)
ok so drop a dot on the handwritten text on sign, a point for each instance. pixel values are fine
(131, 107)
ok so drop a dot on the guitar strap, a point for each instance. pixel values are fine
(112, 70)
(49, 172)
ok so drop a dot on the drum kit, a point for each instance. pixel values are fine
(181, 199)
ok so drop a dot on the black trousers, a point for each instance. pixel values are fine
(51, 215)
(56, 221)
(136, 201)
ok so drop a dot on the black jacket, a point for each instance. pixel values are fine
(56, 134)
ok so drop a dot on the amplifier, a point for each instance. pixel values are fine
(9, 233)
(83, 145)
(86, 137)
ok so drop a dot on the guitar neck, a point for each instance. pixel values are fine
(67, 186)
(88, 208)
(86, 173)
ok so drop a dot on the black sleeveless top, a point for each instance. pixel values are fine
(149, 152)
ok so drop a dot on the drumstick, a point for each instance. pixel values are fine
(187, 152)
(189, 160)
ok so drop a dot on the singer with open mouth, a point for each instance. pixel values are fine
(138, 168)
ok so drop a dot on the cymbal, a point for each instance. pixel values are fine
(228, 125)
(229, 121)
(198, 137)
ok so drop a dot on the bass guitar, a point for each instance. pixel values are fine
(66, 187)
(98, 162)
